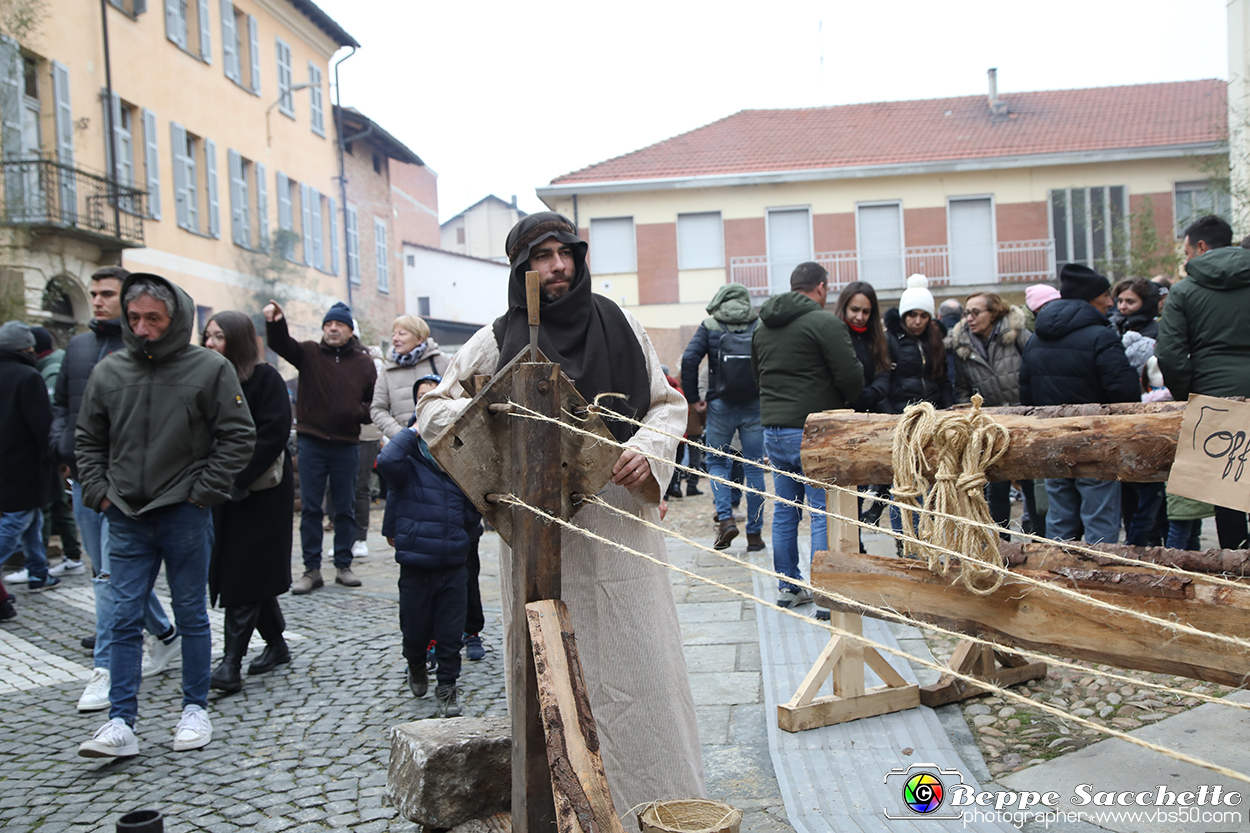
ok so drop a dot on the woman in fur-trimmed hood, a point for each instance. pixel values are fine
(988, 344)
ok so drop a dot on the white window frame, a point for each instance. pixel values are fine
(950, 266)
(613, 268)
(683, 264)
(1199, 186)
(1068, 256)
(902, 240)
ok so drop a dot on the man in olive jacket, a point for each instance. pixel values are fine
(1204, 342)
(162, 431)
(803, 362)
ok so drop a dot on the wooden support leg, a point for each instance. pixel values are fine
(582, 801)
(1002, 668)
(536, 458)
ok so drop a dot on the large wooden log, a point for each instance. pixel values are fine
(1133, 442)
(1024, 616)
(1035, 556)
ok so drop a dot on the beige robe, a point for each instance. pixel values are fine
(628, 636)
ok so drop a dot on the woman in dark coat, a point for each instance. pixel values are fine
(858, 308)
(251, 564)
(916, 351)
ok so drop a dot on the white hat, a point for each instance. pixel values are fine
(916, 296)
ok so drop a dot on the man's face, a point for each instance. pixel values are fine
(106, 298)
(1102, 303)
(148, 317)
(1196, 249)
(336, 333)
(553, 261)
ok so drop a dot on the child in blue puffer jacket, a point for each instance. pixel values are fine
(433, 527)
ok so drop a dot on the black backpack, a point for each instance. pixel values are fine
(734, 380)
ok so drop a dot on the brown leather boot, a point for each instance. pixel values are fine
(755, 542)
(727, 532)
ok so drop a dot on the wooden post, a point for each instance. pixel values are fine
(536, 459)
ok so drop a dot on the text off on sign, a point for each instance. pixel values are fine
(1213, 453)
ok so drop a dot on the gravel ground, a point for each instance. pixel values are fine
(1010, 735)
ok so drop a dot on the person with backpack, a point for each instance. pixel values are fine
(732, 405)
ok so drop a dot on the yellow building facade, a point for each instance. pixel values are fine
(222, 137)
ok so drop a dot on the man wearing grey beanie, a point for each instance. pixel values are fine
(25, 423)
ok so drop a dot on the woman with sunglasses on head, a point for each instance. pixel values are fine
(251, 563)
(987, 345)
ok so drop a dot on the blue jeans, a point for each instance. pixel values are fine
(1080, 501)
(179, 537)
(723, 419)
(1184, 535)
(93, 528)
(319, 461)
(25, 529)
(782, 447)
(1150, 497)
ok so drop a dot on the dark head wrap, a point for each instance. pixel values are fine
(586, 334)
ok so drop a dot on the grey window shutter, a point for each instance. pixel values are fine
(334, 236)
(210, 175)
(229, 58)
(306, 222)
(178, 138)
(318, 233)
(115, 148)
(351, 233)
(64, 139)
(152, 161)
(235, 164)
(262, 209)
(285, 220)
(253, 51)
(382, 255)
(140, 6)
(206, 38)
(175, 23)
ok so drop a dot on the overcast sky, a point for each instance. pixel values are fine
(501, 97)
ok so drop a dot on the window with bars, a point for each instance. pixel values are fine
(1090, 226)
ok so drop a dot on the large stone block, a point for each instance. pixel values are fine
(447, 772)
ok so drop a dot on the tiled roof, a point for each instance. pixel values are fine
(931, 130)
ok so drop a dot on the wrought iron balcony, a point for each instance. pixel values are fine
(1014, 261)
(47, 197)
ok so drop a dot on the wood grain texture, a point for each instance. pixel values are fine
(583, 803)
(1024, 616)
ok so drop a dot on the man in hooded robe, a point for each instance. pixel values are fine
(622, 608)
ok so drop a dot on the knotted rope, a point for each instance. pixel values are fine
(965, 444)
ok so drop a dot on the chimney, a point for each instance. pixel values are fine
(997, 107)
(514, 200)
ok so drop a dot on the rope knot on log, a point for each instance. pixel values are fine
(964, 444)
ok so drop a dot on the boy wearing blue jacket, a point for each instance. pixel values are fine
(433, 527)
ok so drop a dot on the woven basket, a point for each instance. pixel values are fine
(690, 815)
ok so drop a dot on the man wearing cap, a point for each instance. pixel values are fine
(1204, 343)
(1077, 358)
(29, 481)
(628, 636)
(162, 432)
(336, 377)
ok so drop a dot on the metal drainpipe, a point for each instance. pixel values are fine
(338, 132)
(109, 126)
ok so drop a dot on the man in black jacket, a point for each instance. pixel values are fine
(82, 354)
(1077, 358)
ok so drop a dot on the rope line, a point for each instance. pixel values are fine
(1052, 587)
(1074, 546)
(513, 500)
(891, 614)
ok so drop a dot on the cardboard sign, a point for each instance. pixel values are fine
(1213, 453)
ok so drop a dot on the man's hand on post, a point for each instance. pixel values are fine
(631, 469)
(272, 311)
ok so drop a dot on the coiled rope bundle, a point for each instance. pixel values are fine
(965, 444)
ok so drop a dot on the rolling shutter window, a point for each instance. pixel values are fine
(351, 231)
(151, 161)
(206, 38)
(262, 209)
(229, 55)
(700, 241)
(210, 175)
(178, 141)
(253, 51)
(334, 237)
(318, 233)
(612, 245)
(305, 221)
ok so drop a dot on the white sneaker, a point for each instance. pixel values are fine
(193, 730)
(96, 696)
(157, 656)
(112, 740)
(67, 567)
(360, 549)
(19, 577)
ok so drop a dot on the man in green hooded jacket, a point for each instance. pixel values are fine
(732, 403)
(1204, 343)
(162, 432)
